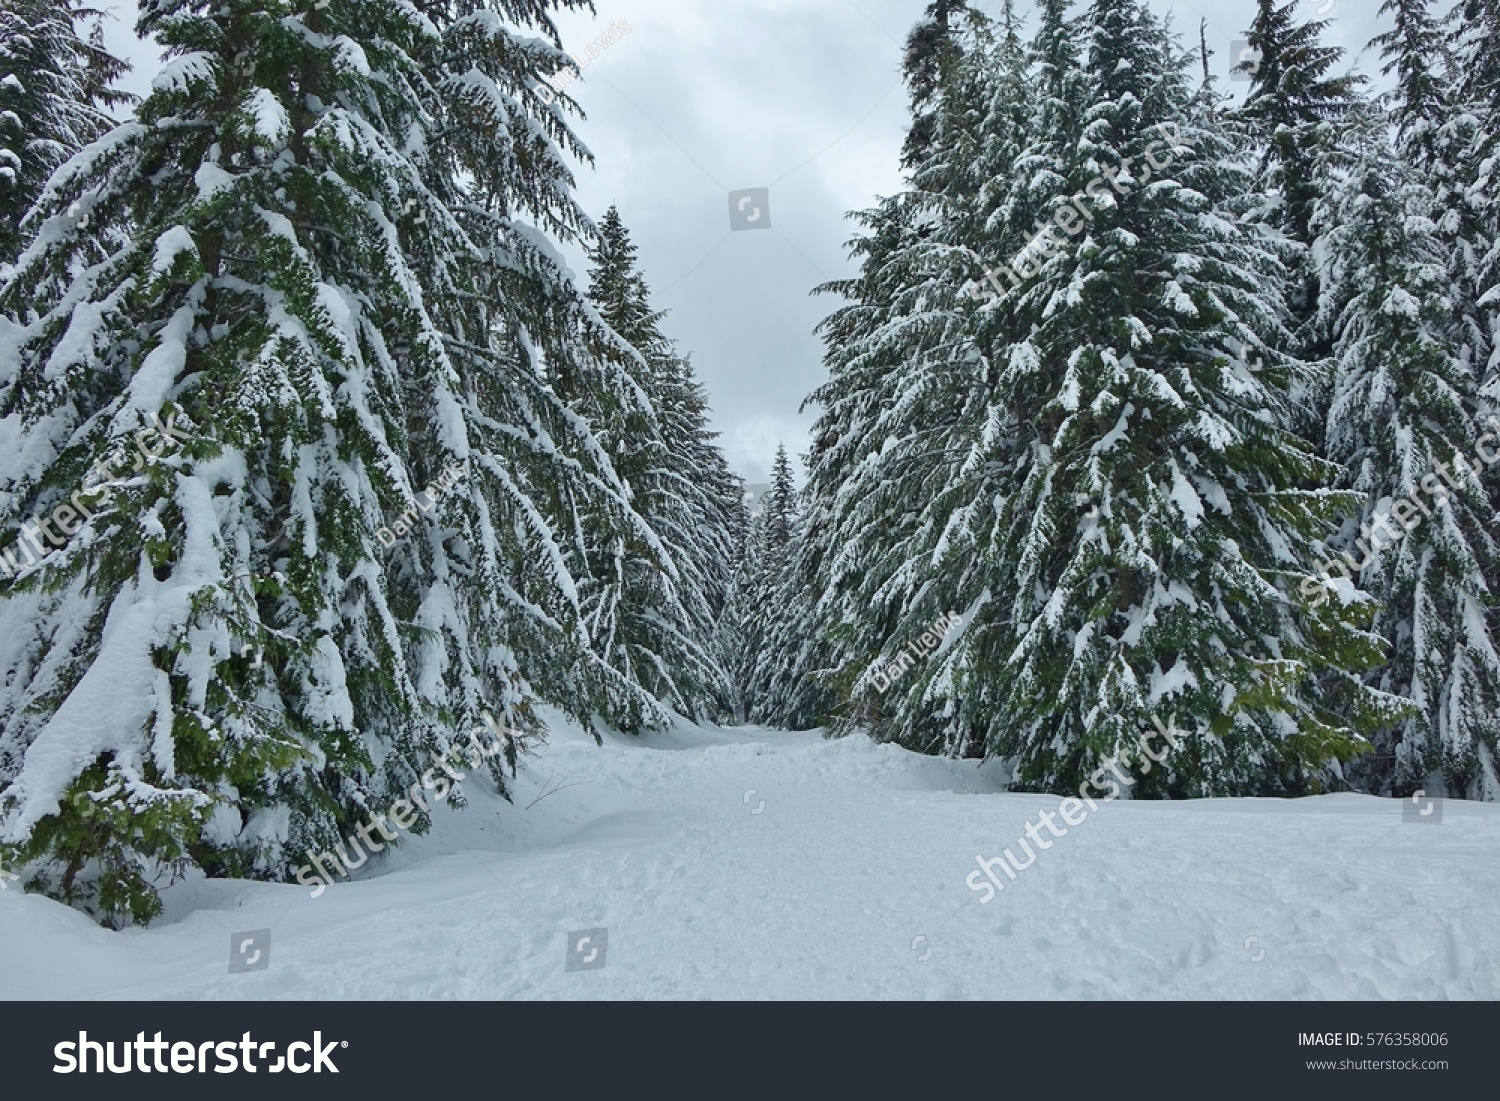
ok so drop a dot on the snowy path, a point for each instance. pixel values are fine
(857, 851)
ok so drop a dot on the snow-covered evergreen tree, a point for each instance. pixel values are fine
(1442, 137)
(892, 461)
(310, 257)
(731, 632)
(761, 586)
(1473, 222)
(932, 50)
(55, 95)
(1143, 517)
(1163, 521)
(1293, 114)
(1293, 102)
(1402, 424)
(1416, 50)
(652, 606)
(781, 632)
(1476, 32)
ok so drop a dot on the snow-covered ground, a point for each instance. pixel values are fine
(847, 881)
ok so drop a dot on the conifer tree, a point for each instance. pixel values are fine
(931, 51)
(905, 391)
(308, 264)
(1421, 543)
(731, 630)
(1293, 100)
(854, 515)
(780, 634)
(781, 502)
(1476, 34)
(653, 615)
(1292, 119)
(1109, 373)
(1174, 588)
(1439, 135)
(1474, 27)
(783, 685)
(55, 95)
(1416, 51)
(768, 561)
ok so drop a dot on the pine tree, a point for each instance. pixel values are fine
(730, 637)
(769, 558)
(1476, 34)
(1292, 117)
(1175, 587)
(1474, 42)
(55, 93)
(1443, 139)
(854, 513)
(748, 621)
(781, 502)
(305, 257)
(1400, 425)
(1416, 52)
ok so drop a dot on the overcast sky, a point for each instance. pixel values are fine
(803, 97)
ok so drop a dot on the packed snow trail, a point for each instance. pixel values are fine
(758, 864)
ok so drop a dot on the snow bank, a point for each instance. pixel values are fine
(760, 864)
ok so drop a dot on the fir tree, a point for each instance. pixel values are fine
(1109, 373)
(1292, 101)
(1292, 116)
(653, 617)
(748, 619)
(781, 503)
(780, 634)
(893, 458)
(55, 94)
(1416, 51)
(768, 562)
(1174, 588)
(855, 513)
(1474, 27)
(306, 257)
(1421, 542)
(1476, 35)
(932, 49)
(730, 631)
(1445, 140)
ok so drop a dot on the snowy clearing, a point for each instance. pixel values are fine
(822, 892)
